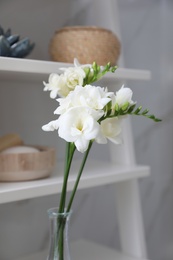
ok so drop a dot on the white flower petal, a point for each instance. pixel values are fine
(100, 139)
(81, 144)
(54, 93)
(64, 134)
(90, 128)
(51, 126)
(73, 76)
(88, 96)
(57, 85)
(123, 96)
(110, 129)
(116, 140)
(76, 62)
(78, 125)
(75, 131)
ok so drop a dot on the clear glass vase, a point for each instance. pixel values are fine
(59, 238)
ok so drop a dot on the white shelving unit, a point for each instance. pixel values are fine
(123, 175)
(11, 68)
(92, 176)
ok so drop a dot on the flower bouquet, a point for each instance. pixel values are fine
(87, 113)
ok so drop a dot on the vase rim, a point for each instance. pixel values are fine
(53, 212)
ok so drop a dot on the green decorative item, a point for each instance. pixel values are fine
(12, 46)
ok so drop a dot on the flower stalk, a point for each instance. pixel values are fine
(86, 113)
(70, 149)
(79, 176)
(69, 156)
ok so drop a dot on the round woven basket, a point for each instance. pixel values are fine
(87, 44)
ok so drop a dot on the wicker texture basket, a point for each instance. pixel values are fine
(87, 44)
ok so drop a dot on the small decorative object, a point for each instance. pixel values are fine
(87, 113)
(86, 43)
(12, 46)
(24, 163)
(10, 140)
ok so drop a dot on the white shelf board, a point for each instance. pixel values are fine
(19, 69)
(96, 173)
(84, 250)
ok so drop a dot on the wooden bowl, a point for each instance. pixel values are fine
(27, 166)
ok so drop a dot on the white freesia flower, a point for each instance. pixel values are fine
(90, 96)
(73, 76)
(110, 129)
(86, 113)
(79, 125)
(123, 96)
(62, 84)
(56, 85)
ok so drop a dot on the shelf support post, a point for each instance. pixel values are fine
(130, 218)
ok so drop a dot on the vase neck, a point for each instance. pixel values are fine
(59, 242)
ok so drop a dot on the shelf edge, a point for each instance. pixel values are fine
(53, 184)
(46, 67)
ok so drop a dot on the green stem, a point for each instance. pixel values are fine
(67, 153)
(78, 177)
(69, 156)
(61, 241)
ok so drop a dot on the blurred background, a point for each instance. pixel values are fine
(145, 29)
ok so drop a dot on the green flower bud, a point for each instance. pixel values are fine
(125, 106)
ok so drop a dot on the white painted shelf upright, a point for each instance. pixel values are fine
(122, 173)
